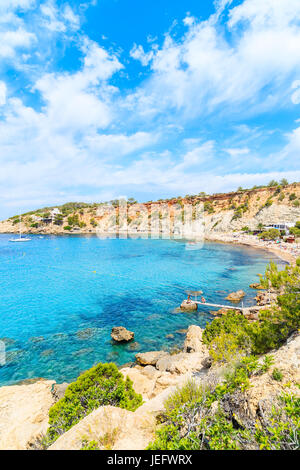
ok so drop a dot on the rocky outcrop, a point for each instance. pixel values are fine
(189, 305)
(287, 360)
(121, 335)
(58, 390)
(193, 340)
(236, 296)
(265, 298)
(112, 428)
(256, 285)
(24, 413)
(149, 358)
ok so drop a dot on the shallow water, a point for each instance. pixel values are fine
(60, 297)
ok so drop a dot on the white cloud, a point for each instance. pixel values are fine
(2, 93)
(237, 152)
(12, 40)
(296, 95)
(203, 72)
(14, 4)
(138, 53)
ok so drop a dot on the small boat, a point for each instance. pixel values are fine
(20, 238)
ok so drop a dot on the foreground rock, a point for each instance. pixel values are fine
(120, 334)
(264, 388)
(224, 311)
(150, 358)
(112, 428)
(236, 296)
(265, 298)
(189, 305)
(24, 413)
(193, 340)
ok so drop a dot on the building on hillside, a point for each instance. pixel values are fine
(280, 226)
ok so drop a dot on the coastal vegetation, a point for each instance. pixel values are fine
(101, 385)
(208, 416)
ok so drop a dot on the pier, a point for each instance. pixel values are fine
(217, 305)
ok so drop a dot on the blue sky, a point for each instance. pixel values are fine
(151, 99)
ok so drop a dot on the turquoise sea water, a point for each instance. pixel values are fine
(60, 297)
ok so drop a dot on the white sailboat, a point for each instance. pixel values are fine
(20, 239)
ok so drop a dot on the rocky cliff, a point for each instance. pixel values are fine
(221, 213)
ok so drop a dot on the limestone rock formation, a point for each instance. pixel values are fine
(24, 413)
(287, 360)
(120, 334)
(193, 340)
(149, 358)
(236, 296)
(264, 298)
(58, 390)
(112, 428)
(189, 305)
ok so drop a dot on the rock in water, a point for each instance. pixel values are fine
(120, 334)
(256, 285)
(236, 296)
(190, 306)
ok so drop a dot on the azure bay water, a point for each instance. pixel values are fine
(60, 297)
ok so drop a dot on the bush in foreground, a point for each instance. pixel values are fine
(99, 386)
(198, 417)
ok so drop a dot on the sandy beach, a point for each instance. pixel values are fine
(289, 252)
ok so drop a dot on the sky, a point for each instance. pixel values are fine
(102, 99)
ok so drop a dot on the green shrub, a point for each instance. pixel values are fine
(282, 429)
(271, 234)
(99, 386)
(89, 445)
(67, 227)
(268, 203)
(277, 374)
(292, 197)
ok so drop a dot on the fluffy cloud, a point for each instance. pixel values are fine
(180, 131)
(58, 19)
(12, 40)
(208, 71)
(2, 93)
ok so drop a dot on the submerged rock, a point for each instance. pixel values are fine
(189, 305)
(36, 339)
(7, 341)
(47, 352)
(86, 333)
(182, 331)
(236, 296)
(134, 346)
(82, 352)
(14, 356)
(120, 334)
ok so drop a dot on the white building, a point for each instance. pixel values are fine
(281, 226)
